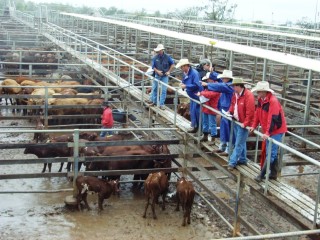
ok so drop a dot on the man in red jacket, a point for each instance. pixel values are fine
(269, 114)
(242, 109)
(106, 119)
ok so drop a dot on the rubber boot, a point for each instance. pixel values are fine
(262, 173)
(274, 170)
(204, 137)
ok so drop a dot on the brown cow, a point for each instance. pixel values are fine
(155, 185)
(185, 195)
(39, 137)
(100, 186)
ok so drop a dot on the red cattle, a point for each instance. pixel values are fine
(155, 185)
(100, 186)
(185, 195)
(184, 110)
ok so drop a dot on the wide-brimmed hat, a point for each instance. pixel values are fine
(159, 47)
(182, 62)
(226, 74)
(262, 86)
(237, 81)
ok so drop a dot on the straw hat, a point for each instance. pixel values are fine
(236, 81)
(159, 47)
(226, 74)
(262, 86)
(182, 62)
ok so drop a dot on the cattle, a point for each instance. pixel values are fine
(130, 164)
(39, 137)
(102, 187)
(185, 196)
(155, 185)
(184, 110)
(48, 152)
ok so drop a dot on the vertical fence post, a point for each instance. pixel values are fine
(268, 165)
(237, 208)
(317, 204)
(75, 159)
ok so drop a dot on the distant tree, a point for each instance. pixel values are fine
(218, 10)
(305, 23)
(141, 13)
(157, 13)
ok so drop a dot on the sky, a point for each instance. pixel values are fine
(268, 11)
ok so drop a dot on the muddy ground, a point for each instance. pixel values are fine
(45, 215)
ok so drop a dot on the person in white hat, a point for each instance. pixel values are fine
(226, 91)
(242, 108)
(270, 115)
(191, 83)
(162, 64)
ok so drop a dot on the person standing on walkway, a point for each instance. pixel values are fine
(204, 67)
(226, 91)
(270, 115)
(209, 123)
(106, 119)
(191, 83)
(242, 108)
(162, 65)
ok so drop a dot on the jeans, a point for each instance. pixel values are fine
(154, 92)
(239, 153)
(105, 132)
(209, 123)
(274, 147)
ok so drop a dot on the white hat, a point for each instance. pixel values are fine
(159, 47)
(236, 81)
(226, 74)
(182, 62)
(262, 86)
(207, 76)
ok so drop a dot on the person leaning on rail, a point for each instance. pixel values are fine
(191, 83)
(211, 99)
(226, 91)
(162, 64)
(242, 110)
(270, 115)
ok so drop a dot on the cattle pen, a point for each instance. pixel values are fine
(110, 57)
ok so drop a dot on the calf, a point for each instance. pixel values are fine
(185, 195)
(102, 187)
(155, 185)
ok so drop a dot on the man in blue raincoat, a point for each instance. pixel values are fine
(226, 91)
(191, 83)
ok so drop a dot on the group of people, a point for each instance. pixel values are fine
(229, 95)
(226, 94)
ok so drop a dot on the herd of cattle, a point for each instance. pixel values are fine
(155, 184)
(63, 92)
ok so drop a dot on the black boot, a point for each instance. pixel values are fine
(193, 130)
(262, 173)
(274, 170)
(204, 137)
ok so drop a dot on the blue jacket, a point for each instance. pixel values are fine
(192, 82)
(162, 62)
(226, 91)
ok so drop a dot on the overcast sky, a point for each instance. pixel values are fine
(278, 11)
